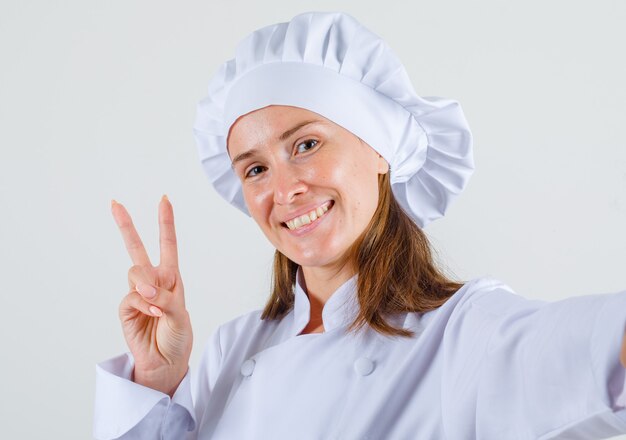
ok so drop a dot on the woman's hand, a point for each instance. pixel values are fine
(154, 319)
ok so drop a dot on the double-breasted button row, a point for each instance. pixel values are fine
(363, 366)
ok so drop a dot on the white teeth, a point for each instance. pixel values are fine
(307, 218)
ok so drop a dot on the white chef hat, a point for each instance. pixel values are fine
(328, 63)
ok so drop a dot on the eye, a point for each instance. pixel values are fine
(305, 146)
(255, 171)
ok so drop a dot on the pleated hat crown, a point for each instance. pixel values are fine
(328, 63)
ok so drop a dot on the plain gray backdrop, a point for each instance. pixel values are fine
(97, 101)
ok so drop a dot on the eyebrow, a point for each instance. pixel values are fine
(247, 154)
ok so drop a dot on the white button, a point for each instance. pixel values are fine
(363, 366)
(247, 367)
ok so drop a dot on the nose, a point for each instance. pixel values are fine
(286, 184)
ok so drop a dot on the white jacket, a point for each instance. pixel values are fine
(488, 364)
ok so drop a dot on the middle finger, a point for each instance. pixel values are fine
(169, 249)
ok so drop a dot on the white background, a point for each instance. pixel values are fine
(97, 101)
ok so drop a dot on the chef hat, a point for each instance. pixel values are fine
(328, 63)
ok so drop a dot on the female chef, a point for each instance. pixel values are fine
(315, 131)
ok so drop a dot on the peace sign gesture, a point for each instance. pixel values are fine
(154, 319)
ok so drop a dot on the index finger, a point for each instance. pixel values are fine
(133, 243)
(167, 234)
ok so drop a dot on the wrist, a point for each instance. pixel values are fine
(165, 379)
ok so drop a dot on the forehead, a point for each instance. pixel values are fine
(268, 123)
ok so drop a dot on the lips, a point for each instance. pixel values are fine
(307, 218)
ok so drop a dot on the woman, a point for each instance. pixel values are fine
(315, 131)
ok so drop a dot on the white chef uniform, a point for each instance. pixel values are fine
(488, 364)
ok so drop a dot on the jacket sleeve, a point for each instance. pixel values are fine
(127, 410)
(552, 369)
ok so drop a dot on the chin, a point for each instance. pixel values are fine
(314, 259)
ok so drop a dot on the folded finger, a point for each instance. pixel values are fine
(137, 274)
(165, 300)
(135, 302)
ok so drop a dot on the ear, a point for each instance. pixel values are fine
(383, 166)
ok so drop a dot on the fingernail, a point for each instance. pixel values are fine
(155, 311)
(146, 290)
(165, 198)
(113, 202)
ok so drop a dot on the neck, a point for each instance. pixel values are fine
(321, 282)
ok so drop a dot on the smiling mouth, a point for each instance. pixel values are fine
(309, 217)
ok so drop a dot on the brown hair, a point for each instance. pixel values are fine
(395, 266)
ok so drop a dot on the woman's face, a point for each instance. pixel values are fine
(310, 184)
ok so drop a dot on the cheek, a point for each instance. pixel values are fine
(363, 190)
(257, 201)
(342, 171)
(356, 183)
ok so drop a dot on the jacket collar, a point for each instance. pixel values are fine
(339, 311)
